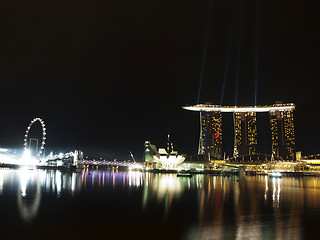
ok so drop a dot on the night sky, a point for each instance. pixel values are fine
(107, 75)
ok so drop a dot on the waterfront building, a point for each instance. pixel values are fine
(245, 133)
(245, 118)
(161, 158)
(150, 151)
(198, 162)
(282, 132)
(168, 160)
(210, 142)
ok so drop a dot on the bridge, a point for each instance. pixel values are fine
(107, 163)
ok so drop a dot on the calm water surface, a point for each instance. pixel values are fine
(91, 204)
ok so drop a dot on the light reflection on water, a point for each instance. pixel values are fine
(216, 207)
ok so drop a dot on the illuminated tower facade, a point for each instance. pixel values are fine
(211, 134)
(282, 132)
(245, 133)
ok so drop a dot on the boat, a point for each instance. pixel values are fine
(275, 174)
(184, 174)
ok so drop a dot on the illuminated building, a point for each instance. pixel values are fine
(168, 160)
(150, 151)
(161, 158)
(282, 132)
(211, 134)
(282, 129)
(245, 133)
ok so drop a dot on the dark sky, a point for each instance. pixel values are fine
(107, 75)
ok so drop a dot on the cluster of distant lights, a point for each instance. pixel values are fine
(27, 160)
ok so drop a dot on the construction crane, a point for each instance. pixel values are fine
(132, 157)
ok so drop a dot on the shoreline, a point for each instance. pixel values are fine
(208, 172)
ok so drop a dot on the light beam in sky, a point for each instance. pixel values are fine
(205, 49)
(257, 51)
(226, 68)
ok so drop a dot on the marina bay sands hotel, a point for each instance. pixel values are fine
(245, 129)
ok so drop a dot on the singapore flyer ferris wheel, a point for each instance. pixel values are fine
(43, 141)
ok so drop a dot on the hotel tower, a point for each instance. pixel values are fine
(245, 129)
(282, 132)
(210, 142)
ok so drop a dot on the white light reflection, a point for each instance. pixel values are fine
(266, 188)
(73, 183)
(58, 183)
(279, 190)
(168, 184)
(166, 188)
(276, 192)
(3, 176)
(135, 178)
(248, 229)
(25, 176)
(28, 204)
(30, 184)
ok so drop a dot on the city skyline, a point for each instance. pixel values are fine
(162, 119)
(106, 77)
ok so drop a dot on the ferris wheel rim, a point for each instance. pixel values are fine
(43, 134)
